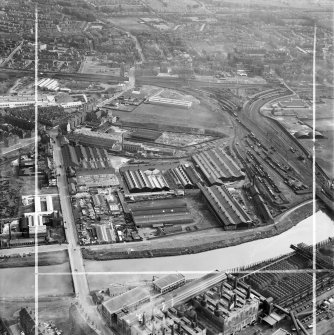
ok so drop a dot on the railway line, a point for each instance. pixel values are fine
(270, 132)
(272, 136)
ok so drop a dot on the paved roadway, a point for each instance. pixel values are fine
(74, 251)
(22, 143)
(130, 85)
(10, 57)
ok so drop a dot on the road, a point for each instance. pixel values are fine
(10, 57)
(130, 85)
(22, 143)
(74, 251)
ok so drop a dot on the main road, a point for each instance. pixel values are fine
(74, 251)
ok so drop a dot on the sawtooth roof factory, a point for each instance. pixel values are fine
(152, 179)
(145, 180)
(152, 213)
(225, 207)
(217, 167)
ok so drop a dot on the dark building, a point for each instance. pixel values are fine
(225, 207)
(260, 205)
(217, 166)
(146, 214)
(229, 307)
(27, 321)
(143, 135)
(145, 181)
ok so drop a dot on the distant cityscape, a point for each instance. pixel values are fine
(166, 167)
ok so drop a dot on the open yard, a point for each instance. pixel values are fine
(189, 6)
(198, 116)
(324, 124)
(130, 23)
(95, 67)
(49, 285)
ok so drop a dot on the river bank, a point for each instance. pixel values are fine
(197, 242)
(20, 282)
(102, 274)
(28, 260)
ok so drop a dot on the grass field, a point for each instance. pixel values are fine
(198, 116)
(129, 23)
(90, 66)
(191, 6)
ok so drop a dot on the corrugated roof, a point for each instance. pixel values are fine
(126, 299)
(215, 165)
(158, 204)
(225, 206)
(168, 280)
(271, 321)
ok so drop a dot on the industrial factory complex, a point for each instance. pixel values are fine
(221, 303)
(154, 154)
(209, 305)
(217, 167)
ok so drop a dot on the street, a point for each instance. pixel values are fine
(74, 251)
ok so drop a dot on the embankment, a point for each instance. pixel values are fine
(184, 247)
(44, 259)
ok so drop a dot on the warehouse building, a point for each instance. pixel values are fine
(169, 282)
(166, 314)
(182, 176)
(94, 139)
(143, 135)
(149, 213)
(217, 166)
(170, 102)
(114, 309)
(145, 181)
(229, 307)
(225, 207)
(85, 157)
(260, 205)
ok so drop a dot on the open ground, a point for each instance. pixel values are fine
(202, 115)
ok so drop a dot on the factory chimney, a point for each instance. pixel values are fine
(235, 282)
(221, 289)
(248, 292)
(216, 311)
(203, 301)
(231, 303)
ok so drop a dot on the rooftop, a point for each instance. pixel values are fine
(169, 279)
(129, 298)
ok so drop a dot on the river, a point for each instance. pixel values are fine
(103, 273)
(19, 282)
